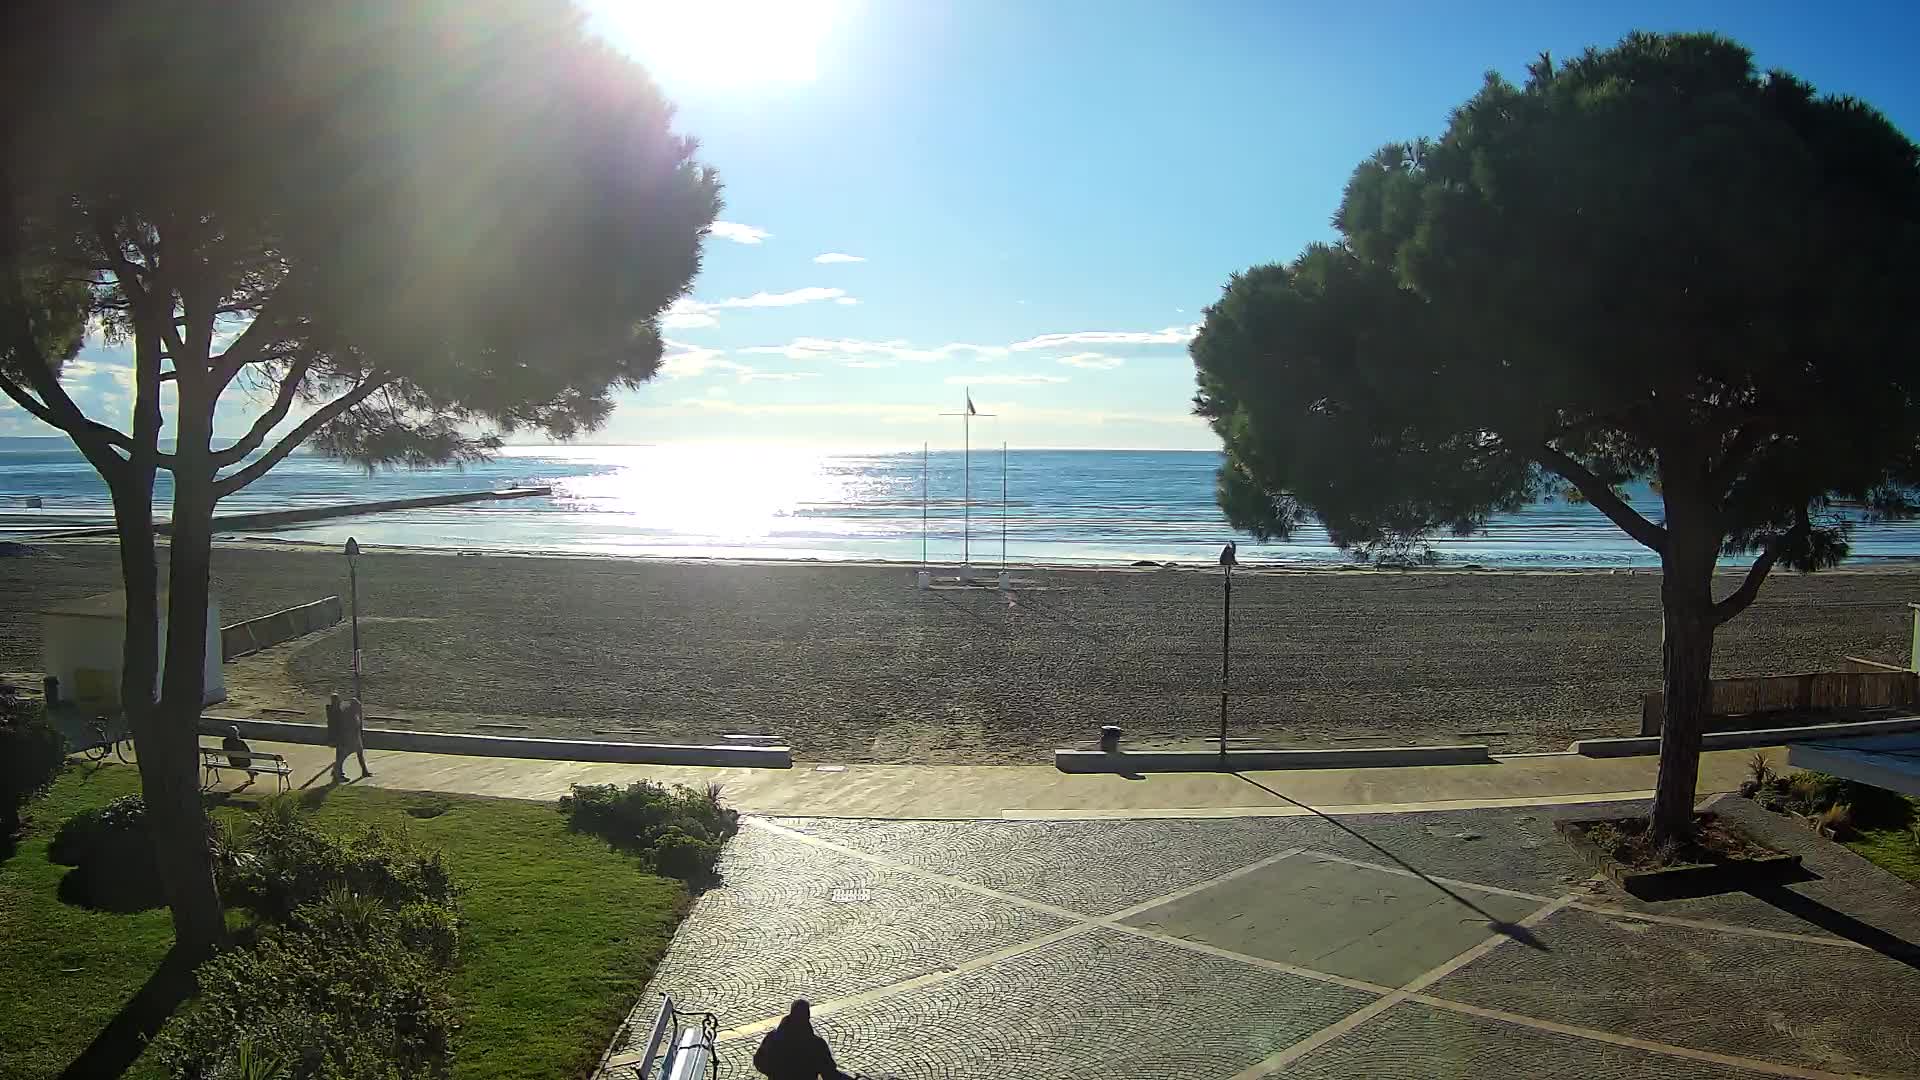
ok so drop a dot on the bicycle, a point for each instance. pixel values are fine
(107, 739)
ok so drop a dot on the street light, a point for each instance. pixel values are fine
(1227, 561)
(353, 589)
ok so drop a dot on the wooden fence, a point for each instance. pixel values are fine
(1814, 692)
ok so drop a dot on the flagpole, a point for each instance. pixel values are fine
(1003, 507)
(923, 505)
(966, 487)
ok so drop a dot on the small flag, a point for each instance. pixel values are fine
(971, 411)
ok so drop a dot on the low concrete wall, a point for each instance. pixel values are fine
(1128, 761)
(283, 625)
(439, 742)
(1740, 740)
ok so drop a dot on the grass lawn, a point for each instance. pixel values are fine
(559, 937)
(1895, 846)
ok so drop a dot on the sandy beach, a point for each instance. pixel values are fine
(851, 663)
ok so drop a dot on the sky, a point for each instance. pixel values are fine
(1034, 201)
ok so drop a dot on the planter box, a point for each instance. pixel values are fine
(1680, 879)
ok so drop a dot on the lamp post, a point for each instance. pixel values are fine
(353, 590)
(1227, 561)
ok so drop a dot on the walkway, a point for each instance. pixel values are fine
(1037, 791)
(1442, 944)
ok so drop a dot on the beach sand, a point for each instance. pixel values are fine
(851, 663)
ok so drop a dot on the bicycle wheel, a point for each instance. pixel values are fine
(123, 750)
(97, 752)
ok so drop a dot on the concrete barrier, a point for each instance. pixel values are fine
(442, 742)
(1740, 740)
(286, 624)
(1142, 761)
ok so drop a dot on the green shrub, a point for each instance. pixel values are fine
(111, 853)
(677, 832)
(32, 753)
(333, 1008)
(288, 862)
(350, 977)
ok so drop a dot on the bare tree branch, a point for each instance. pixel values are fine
(227, 485)
(1738, 600)
(1603, 497)
(267, 421)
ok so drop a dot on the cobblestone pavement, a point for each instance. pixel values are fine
(1457, 944)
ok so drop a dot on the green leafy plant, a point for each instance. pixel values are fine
(1760, 767)
(289, 862)
(677, 831)
(1836, 821)
(32, 753)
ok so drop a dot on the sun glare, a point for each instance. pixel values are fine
(721, 43)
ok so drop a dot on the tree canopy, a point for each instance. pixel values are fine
(398, 229)
(1651, 262)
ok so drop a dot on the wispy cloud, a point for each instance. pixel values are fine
(838, 257)
(778, 376)
(683, 360)
(738, 233)
(808, 348)
(1004, 380)
(1172, 335)
(687, 313)
(1092, 361)
(847, 300)
(869, 363)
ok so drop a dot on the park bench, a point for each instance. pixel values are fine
(684, 1051)
(213, 759)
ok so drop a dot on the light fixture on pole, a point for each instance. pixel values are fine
(1227, 562)
(353, 590)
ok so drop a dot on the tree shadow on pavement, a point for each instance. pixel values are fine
(1839, 923)
(1498, 925)
(121, 1042)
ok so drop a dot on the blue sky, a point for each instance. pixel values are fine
(1045, 194)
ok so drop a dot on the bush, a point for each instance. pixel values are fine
(677, 832)
(32, 753)
(332, 1007)
(350, 978)
(288, 863)
(111, 853)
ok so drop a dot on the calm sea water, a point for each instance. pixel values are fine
(1062, 506)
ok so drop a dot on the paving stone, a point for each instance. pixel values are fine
(772, 931)
(1097, 1006)
(1416, 1040)
(1843, 1010)
(1329, 916)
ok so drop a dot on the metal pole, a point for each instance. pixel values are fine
(966, 491)
(923, 505)
(1003, 506)
(1226, 652)
(353, 591)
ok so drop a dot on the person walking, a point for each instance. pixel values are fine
(344, 731)
(793, 1051)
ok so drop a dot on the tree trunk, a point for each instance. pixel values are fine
(176, 817)
(1686, 673)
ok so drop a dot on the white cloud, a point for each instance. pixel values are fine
(690, 360)
(1172, 335)
(687, 313)
(847, 300)
(838, 257)
(738, 233)
(1004, 380)
(809, 295)
(777, 376)
(1092, 361)
(718, 391)
(868, 363)
(896, 349)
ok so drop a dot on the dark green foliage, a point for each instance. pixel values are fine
(677, 832)
(340, 1007)
(32, 753)
(111, 851)
(289, 862)
(1649, 262)
(348, 978)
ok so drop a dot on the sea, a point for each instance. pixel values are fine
(719, 501)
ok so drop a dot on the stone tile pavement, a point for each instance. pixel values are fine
(1449, 944)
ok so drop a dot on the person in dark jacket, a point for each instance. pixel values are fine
(793, 1052)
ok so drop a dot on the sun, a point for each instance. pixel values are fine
(720, 43)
